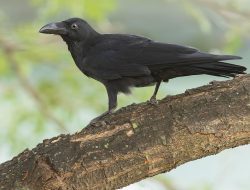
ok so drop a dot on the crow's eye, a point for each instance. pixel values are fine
(74, 26)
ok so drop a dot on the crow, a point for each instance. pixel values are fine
(122, 61)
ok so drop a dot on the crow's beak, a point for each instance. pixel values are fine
(54, 28)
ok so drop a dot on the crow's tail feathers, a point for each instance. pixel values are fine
(220, 68)
(226, 57)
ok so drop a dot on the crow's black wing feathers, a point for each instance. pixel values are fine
(118, 56)
(164, 55)
(108, 65)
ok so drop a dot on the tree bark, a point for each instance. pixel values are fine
(138, 141)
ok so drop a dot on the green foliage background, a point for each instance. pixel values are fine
(43, 94)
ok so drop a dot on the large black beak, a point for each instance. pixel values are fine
(54, 28)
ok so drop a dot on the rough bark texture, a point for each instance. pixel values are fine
(138, 141)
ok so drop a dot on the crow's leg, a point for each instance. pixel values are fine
(153, 98)
(112, 96)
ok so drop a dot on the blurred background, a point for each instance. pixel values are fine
(43, 94)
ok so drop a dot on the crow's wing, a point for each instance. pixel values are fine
(109, 65)
(164, 55)
(133, 56)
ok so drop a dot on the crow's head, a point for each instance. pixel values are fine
(73, 29)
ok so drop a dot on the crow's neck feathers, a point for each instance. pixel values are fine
(79, 49)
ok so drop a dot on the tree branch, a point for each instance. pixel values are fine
(138, 141)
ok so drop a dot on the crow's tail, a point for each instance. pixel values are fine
(220, 68)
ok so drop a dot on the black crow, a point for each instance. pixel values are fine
(121, 61)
